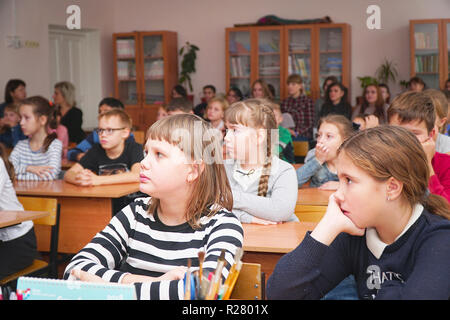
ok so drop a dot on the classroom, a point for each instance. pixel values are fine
(238, 150)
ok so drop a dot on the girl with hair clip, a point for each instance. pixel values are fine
(39, 156)
(18, 242)
(321, 168)
(381, 225)
(149, 242)
(264, 186)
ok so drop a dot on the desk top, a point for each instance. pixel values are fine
(9, 218)
(279, 238)
(60, 188)
(313, 196)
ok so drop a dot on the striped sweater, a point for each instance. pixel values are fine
(22, 156)
(138, 242)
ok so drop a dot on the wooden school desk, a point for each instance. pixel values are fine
(84, 210)
(313, 196)
(267, 244)
(10, 218)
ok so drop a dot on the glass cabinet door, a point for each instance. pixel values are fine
(426, 53)
(153, 69)
(126, 70)
(239, 46)
(269, 59)
(447, 55)
(330, 54)
(299, 57)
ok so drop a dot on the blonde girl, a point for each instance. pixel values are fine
(215, 112)
(39, 156)
(382, 225)
(321, 170)
(264, 186)
(148, 243)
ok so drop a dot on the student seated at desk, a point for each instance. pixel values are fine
(149, 242)
(115, 160)
(321, 169)
(381, 225)
(18, 242)
(264, 186)
(39, 156)
(415, 111)
(11, 132)
(106, 104)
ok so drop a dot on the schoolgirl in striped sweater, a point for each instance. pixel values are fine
(39, 156)
(149, 242)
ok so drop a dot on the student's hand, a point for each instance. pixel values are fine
(85, 178)
(263, 221)
(85, 276)
(42, 171)
(174, 274)
(330, 185)
(333, 223)
(321, 152)
(80, 155)
(429, 146)
(372, 121)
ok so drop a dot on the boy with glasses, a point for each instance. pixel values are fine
(116, 159)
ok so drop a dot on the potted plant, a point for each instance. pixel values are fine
(386, 72)
(189, 55)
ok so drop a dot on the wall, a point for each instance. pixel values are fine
(32, 20)
(203, 22)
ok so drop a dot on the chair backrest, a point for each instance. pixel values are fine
(249, 284)
(51, 205)
(300, 148)
(41, 204)
(139, 136)
(307, 213)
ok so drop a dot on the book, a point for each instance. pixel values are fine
(54, 289)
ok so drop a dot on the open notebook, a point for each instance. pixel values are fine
(53, 289)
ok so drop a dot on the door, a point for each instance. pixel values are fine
(74, 56)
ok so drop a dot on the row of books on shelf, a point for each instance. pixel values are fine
(332, 64)
(239, 47)
(269, 47)
(426, 40)
(126, 70)
(333, 40)
(429, 63)
(240, 67)
(298, 65)
(271, 70)
(125, 48)
(154, 69)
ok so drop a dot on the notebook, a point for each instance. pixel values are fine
(53, 289)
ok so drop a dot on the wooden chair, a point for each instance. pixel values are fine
(38, 266)
(301, 148)
(250, 283)
(139, 137)
(306, 213)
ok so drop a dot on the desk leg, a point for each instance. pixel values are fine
(267, 260)
(81, 219)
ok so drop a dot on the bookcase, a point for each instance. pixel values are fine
(145, 71)
(272, 53)
(430, 51)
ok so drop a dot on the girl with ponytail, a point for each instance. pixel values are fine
(382, 225)
(39, 156)
(264, 186)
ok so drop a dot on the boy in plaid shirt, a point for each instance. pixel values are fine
(300, 107)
